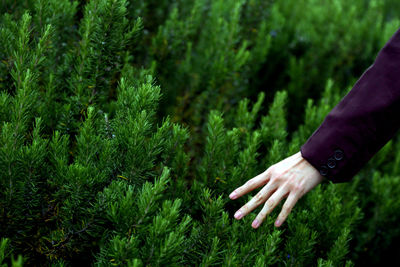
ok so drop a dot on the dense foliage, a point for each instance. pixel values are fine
(126, 124)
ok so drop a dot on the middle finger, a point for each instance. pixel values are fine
(261, 196)
(271, 203)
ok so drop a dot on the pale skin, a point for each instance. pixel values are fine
(290, 178)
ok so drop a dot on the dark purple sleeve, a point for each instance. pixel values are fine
(362, 122)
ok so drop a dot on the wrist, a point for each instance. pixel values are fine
(322, 178)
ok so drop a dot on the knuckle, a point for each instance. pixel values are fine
(270, 204)
(249, 183)
(237, 191)
(244, 209)
(278, 178)
(285, 211)
(274, 173)
(261, 216)
(299, 188)
(258, 198)
(271, 169)
(274, 178)
(282, 217)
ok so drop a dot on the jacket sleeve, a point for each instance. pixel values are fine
(364, 120)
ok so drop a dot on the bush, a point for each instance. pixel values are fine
(124, 126)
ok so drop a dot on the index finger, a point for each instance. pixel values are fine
(251, 184)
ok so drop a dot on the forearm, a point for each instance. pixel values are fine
(362, 122)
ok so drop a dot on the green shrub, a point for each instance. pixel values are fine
(124, 126)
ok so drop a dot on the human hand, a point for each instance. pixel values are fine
(292, 177)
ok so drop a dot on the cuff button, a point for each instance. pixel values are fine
(323, 170)
(338, 154)
(331, 163)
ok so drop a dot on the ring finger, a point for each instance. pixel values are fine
(270, 204)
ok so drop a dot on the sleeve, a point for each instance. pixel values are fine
(364, 120)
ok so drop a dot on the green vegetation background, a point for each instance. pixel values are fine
(124, 125)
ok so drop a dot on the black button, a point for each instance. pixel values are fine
(331, 163)
(338, 154)
(323, 170)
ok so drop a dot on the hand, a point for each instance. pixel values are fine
(292, 178)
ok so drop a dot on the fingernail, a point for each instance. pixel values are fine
(256, 223)
(238, 214)
(233, 195)
(278, 222)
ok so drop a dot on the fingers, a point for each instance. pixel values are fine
(261, 196)
(270, 204)
(251, 184)
(290, 178)
(287, 208)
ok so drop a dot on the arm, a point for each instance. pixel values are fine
(362, 122)
(354, 130)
